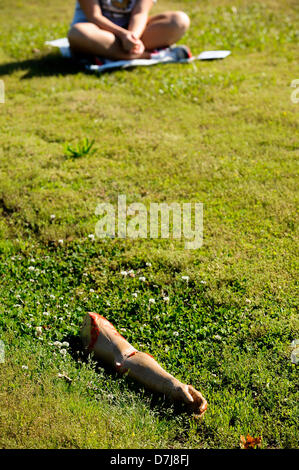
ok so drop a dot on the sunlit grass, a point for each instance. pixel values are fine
(222, 133)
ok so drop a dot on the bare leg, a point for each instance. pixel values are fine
(88, 39)
(100, 336)
(165, 29)
(161, 31)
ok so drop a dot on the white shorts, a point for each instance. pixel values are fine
(119, 20)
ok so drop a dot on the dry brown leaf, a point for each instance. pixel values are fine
(250, 442)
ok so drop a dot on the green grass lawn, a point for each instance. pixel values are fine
(223, 133)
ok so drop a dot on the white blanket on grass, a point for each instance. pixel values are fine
(63, 45)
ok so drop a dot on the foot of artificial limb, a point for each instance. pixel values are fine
(100, 336)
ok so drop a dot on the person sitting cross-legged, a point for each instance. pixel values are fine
(123, 29)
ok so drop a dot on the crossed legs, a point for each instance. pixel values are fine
(161, 31)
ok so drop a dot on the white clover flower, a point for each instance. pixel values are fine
(185, 278)
(52, 296)
(91, 236)
(64, 376)
(46, 314)
(65, 344)
(91, 290)
(63, 352)
(124, 273)
(166, 299)
(58, 344)
(152, 301)
(203, 282)
(135, 295)
(52, 216)
(248, 301)
(218, 337)
(166, 349)
(175, 333)
(142, 278)
(24, 367)
(31, 268)
(148, 265)
(60, 241)
(157, 317)
(38, 330)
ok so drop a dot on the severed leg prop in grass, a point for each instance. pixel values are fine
(100, 336)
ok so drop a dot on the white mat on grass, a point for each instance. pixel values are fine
(63, 45)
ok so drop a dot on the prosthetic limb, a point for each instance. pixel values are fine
(100, 336)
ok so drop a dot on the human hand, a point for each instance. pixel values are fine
(131, 43)
(194, 399)
(199, 405)
(138, 48)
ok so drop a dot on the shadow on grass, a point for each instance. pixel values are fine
(48, 66)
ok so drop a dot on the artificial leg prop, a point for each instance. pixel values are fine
(100, 336)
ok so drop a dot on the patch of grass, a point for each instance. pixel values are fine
(250, 26)
(81, 149)
(71, 415)
(222, 133)
(239, 355)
